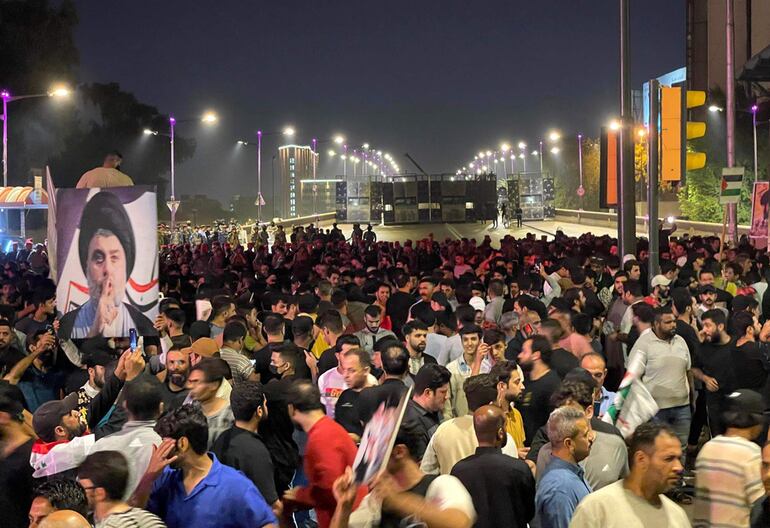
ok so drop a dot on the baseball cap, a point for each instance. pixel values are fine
(477, 303)
(708, 288)
(98, 358)
(744, 401)
(660, 280)
(205, 347)
(48, 416)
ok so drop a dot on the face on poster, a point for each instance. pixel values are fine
(107, 257)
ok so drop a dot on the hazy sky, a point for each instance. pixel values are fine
(438, 79)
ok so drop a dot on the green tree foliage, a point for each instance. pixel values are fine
(566, 172)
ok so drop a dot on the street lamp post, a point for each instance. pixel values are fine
(260, 200)
(754, 109)
(8, 98)
(173, 204)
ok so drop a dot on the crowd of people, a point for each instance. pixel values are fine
(550, 383)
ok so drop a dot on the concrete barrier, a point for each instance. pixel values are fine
(609, 220)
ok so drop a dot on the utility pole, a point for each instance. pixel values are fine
(652, 179)
(732, 209)
(627, 220)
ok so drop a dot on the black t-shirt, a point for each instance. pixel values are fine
(327, 360)
(172, 399)
(715, 360)
(393, 520)
(28, 325)
(262, 359)
(563, 361)
(397, 308)
(8, 358)
(687, 332)
(346, 412)
(750, 366)
(245, 451)
(16, 484)
(535, 404)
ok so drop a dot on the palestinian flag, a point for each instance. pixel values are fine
(732, 181)
(633, 405)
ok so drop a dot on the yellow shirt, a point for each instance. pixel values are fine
(514, 426)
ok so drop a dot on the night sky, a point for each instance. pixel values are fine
(438, 79)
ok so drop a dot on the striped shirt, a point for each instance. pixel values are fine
(240, 366)
(728, 482)
(133, 518)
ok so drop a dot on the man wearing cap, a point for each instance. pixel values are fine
(60, 446)
(728, 479)
(95, 362)
(107, 250)
(708, 298)
(659, 296)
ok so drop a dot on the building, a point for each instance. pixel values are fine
(706, 50)
(296, 163)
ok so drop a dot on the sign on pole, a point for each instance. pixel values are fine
(732, 181)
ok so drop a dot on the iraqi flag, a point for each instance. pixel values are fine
(633, 405)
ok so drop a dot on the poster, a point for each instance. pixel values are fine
(107, 261)
(378, 439)
(759, 205)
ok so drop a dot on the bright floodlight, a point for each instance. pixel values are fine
(505, 147)
(614, 125)
(209, 117)
(59, 91)
(554, 136)
(641, 132)
(754, 108)
(534, 153)
(715, 108)
(365, 146)
(521, 155)
(339, 140)
(241, 142)
(489, 153)
(288, 131)
(332, 153)
(555, 150)
(148, 132)
(670, 219)
(522, 145)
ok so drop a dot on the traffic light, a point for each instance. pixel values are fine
(675, 131)
(694, 130)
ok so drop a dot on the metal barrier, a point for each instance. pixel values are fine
(320, 218)
(609, 220)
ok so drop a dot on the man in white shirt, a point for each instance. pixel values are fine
(332, 382)
(661, 360)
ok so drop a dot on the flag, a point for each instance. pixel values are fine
(51, 228)
(633, 405)
(732, 181)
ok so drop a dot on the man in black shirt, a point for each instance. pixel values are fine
(713, 365)
(9, 354)
(15, 470)
(241, 446)
(431, 390)
(562, 361)
(502, 487)
(274, 327)
(395, 362)
(44, 300)
(399, 302)
(539, 385)
(173, 390)
(355, 364)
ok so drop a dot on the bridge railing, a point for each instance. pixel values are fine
(609, 220)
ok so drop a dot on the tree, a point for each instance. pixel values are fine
(109, 119)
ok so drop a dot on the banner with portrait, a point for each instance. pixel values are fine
(107, 261)
(760, 201)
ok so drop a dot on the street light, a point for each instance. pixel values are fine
(339, 140)
(614, 125)
(554, 136)
(173, 204)
(555, 150)
(522, 145)
(715, 108)
(56, 92)
(288, 131)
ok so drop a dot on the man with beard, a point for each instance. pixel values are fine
(223, 496)
(9, 353)
(57, 424)
(638, 499)
(96, 364)
(539, 384)
(44, 300)
(416, 341)
(107, 250)
(37, 376)
(431, 389)
(661, 360)
(372, 331)
(468, 364)
(708, 299)
(509, 378)
(713, 366)
(174, 387)
(205, 380)
(502, 488)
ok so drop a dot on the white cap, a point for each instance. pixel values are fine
(660, 280)
(477, 303)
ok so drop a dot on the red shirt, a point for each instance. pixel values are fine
(329, 451)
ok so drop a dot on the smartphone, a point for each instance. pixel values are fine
(528, 330)
(132, 339)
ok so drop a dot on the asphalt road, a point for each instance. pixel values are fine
(478, 230)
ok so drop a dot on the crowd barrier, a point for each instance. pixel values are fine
(609, 220)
